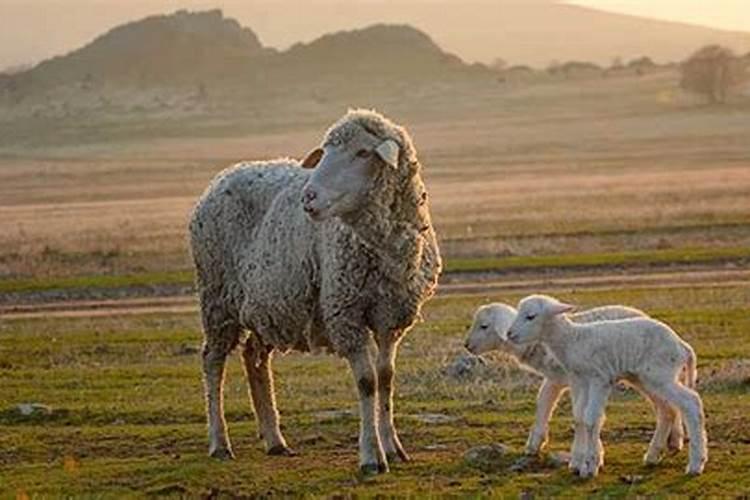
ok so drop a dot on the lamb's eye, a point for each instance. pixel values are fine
(530, 317)
(484, 327)
(364, 153)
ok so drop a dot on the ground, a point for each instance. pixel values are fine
(599, 191)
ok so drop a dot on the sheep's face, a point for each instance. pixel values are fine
(345, 174)
(533, 312)
(489, 330)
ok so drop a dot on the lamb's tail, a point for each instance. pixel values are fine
(691, 368)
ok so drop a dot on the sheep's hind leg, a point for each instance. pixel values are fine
(690, 405)
(220, 340)
(372, 459)
(386, 369)
(257, 362)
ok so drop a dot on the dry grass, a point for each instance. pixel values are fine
(591, 166)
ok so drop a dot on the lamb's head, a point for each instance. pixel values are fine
(533, 312)
(489, 330)
(360, 153)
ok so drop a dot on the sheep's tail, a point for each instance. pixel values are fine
(691, 368)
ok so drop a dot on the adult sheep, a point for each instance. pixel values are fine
(329, 258)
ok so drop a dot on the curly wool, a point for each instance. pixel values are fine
(264, 265)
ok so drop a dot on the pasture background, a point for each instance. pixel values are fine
(617, 190)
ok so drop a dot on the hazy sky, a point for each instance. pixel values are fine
(724, 14)
(32, 30)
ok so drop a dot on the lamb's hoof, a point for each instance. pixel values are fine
(222, 454)
(281, 451)
(676, 445)
(694, 470)
(650, 460)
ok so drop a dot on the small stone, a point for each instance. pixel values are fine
(27, 409)
(631, 479)
(465, 365)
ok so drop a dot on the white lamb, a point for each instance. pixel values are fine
(598, 354)
(489, 332)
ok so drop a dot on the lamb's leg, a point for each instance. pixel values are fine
(215, 352)
(690, 405)
(593, 419)
(668, 426)
(579, 396)
(371, 456)
(546, 401)
(257, 361)
(677, 431)
(387, 349)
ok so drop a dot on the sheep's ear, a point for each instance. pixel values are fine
(560, 308)
(312, 159)
(388, 152)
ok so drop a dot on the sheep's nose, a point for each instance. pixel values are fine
(308, 195)
(467, 346)
(512, 336)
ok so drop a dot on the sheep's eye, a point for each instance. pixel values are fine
(530, 317)
(364, 153)
(483, 327)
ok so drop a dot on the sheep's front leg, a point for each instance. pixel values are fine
(593, 419)
(579, 396)
(546, 401)
(387, 349)
(371, 456)
(257, 361)
(214, 362)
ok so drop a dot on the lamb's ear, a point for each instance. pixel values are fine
(388, 152)
(312, 159)
(560, 308)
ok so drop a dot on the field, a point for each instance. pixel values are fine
(601, 191)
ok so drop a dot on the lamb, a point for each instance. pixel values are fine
(329, 258)
(489, 332)
(597, 354)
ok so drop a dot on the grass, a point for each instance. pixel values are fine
(641, 258)
(128, 411)
(452, 265)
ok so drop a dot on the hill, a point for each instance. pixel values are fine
(161, 62)
(165, 49)
(532, 32)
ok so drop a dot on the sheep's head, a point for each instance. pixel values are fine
(358, 152)
(489, 330)
(533, 312)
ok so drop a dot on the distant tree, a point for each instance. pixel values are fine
(712, 71)
(616, 63)
(499, 64)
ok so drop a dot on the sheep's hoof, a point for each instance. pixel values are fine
(366, 470)
(222, 454)
(281, 451)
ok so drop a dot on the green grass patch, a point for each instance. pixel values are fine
(453, 265)
(646, 257)
(128, 414)
(97, 281)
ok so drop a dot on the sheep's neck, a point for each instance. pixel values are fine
(559, 338)
(393, 226)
